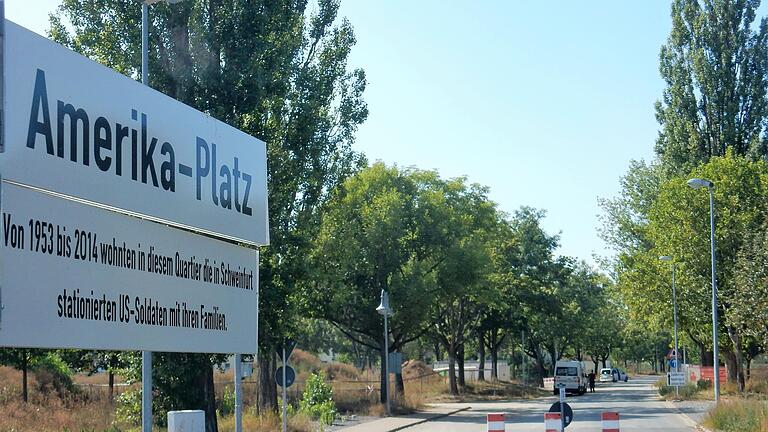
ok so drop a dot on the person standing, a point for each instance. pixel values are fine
(592, 382)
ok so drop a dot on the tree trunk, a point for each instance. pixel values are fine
(460, 361)
(452, 370)
(266, 396)
(481, 359)
(736, 373)
(541, 369)
(209, 392)
(438, 352)
(399, 385)
(705, 357)
(749, 368)
(730, 362)
(112, 363)
(24, 367)
(494, 346)
(553, 355)
(494, 363)
(596, 365)
(111, 386)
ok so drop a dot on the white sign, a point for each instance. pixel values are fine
(77, 276)
(78, 128)
(676, 378)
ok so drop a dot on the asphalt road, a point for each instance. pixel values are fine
(636, 401)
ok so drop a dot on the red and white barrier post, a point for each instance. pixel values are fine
(495, 422)
(610, 421)
(552, 422)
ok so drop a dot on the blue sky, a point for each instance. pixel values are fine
(544, 102)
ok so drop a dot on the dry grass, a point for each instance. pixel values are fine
(739, 416)
(267, 423)
(46, 412)
(341, 371)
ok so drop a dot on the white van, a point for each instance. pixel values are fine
(571, 373)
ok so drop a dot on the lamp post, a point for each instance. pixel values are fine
(385, 310)
(698, 183)
(674, 314)
(146, 356)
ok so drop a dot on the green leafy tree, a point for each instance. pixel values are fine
(271, 69)
(680, 228)
(22, 359)
(715, 64)
(750, 312)
(531, 275)
(378, 232)
(467, 218)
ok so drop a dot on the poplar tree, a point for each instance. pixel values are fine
(714, 64)
(274, 69)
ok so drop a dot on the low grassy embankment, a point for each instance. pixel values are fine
(738, 411)
(86, 407)
(739, 415)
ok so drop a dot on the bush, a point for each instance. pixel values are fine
(317, 399)
(227, 402)
(687, 391)
(52, 374)
(703, 384)
(129, 407)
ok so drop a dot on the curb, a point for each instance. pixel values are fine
(435, 417)
(691, 422)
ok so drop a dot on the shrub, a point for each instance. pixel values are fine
(687, 391)
(129, 407)
(52, 374)
(703, 384)
(227, 402)
(317, 399)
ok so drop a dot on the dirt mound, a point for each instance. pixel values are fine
(342, 371)
(305, 361)
(416, 368)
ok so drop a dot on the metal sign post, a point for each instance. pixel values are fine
(285, 394)
(562, 411)
(238, 393)
(146, 356)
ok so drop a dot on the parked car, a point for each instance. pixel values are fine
(606, 375)
(621, 375)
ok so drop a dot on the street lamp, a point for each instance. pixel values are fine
(697, 183)
(385, 310)
(674, 314)
(146, 356)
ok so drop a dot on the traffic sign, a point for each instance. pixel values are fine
(673, 363)
(290, 376)
(567, 410)
(675, 378)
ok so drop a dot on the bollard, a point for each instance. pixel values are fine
(610, 421)
(552, 422)
(495, 422)
(186, 421)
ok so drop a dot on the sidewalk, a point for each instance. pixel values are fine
(391, 424)
(695, 410)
